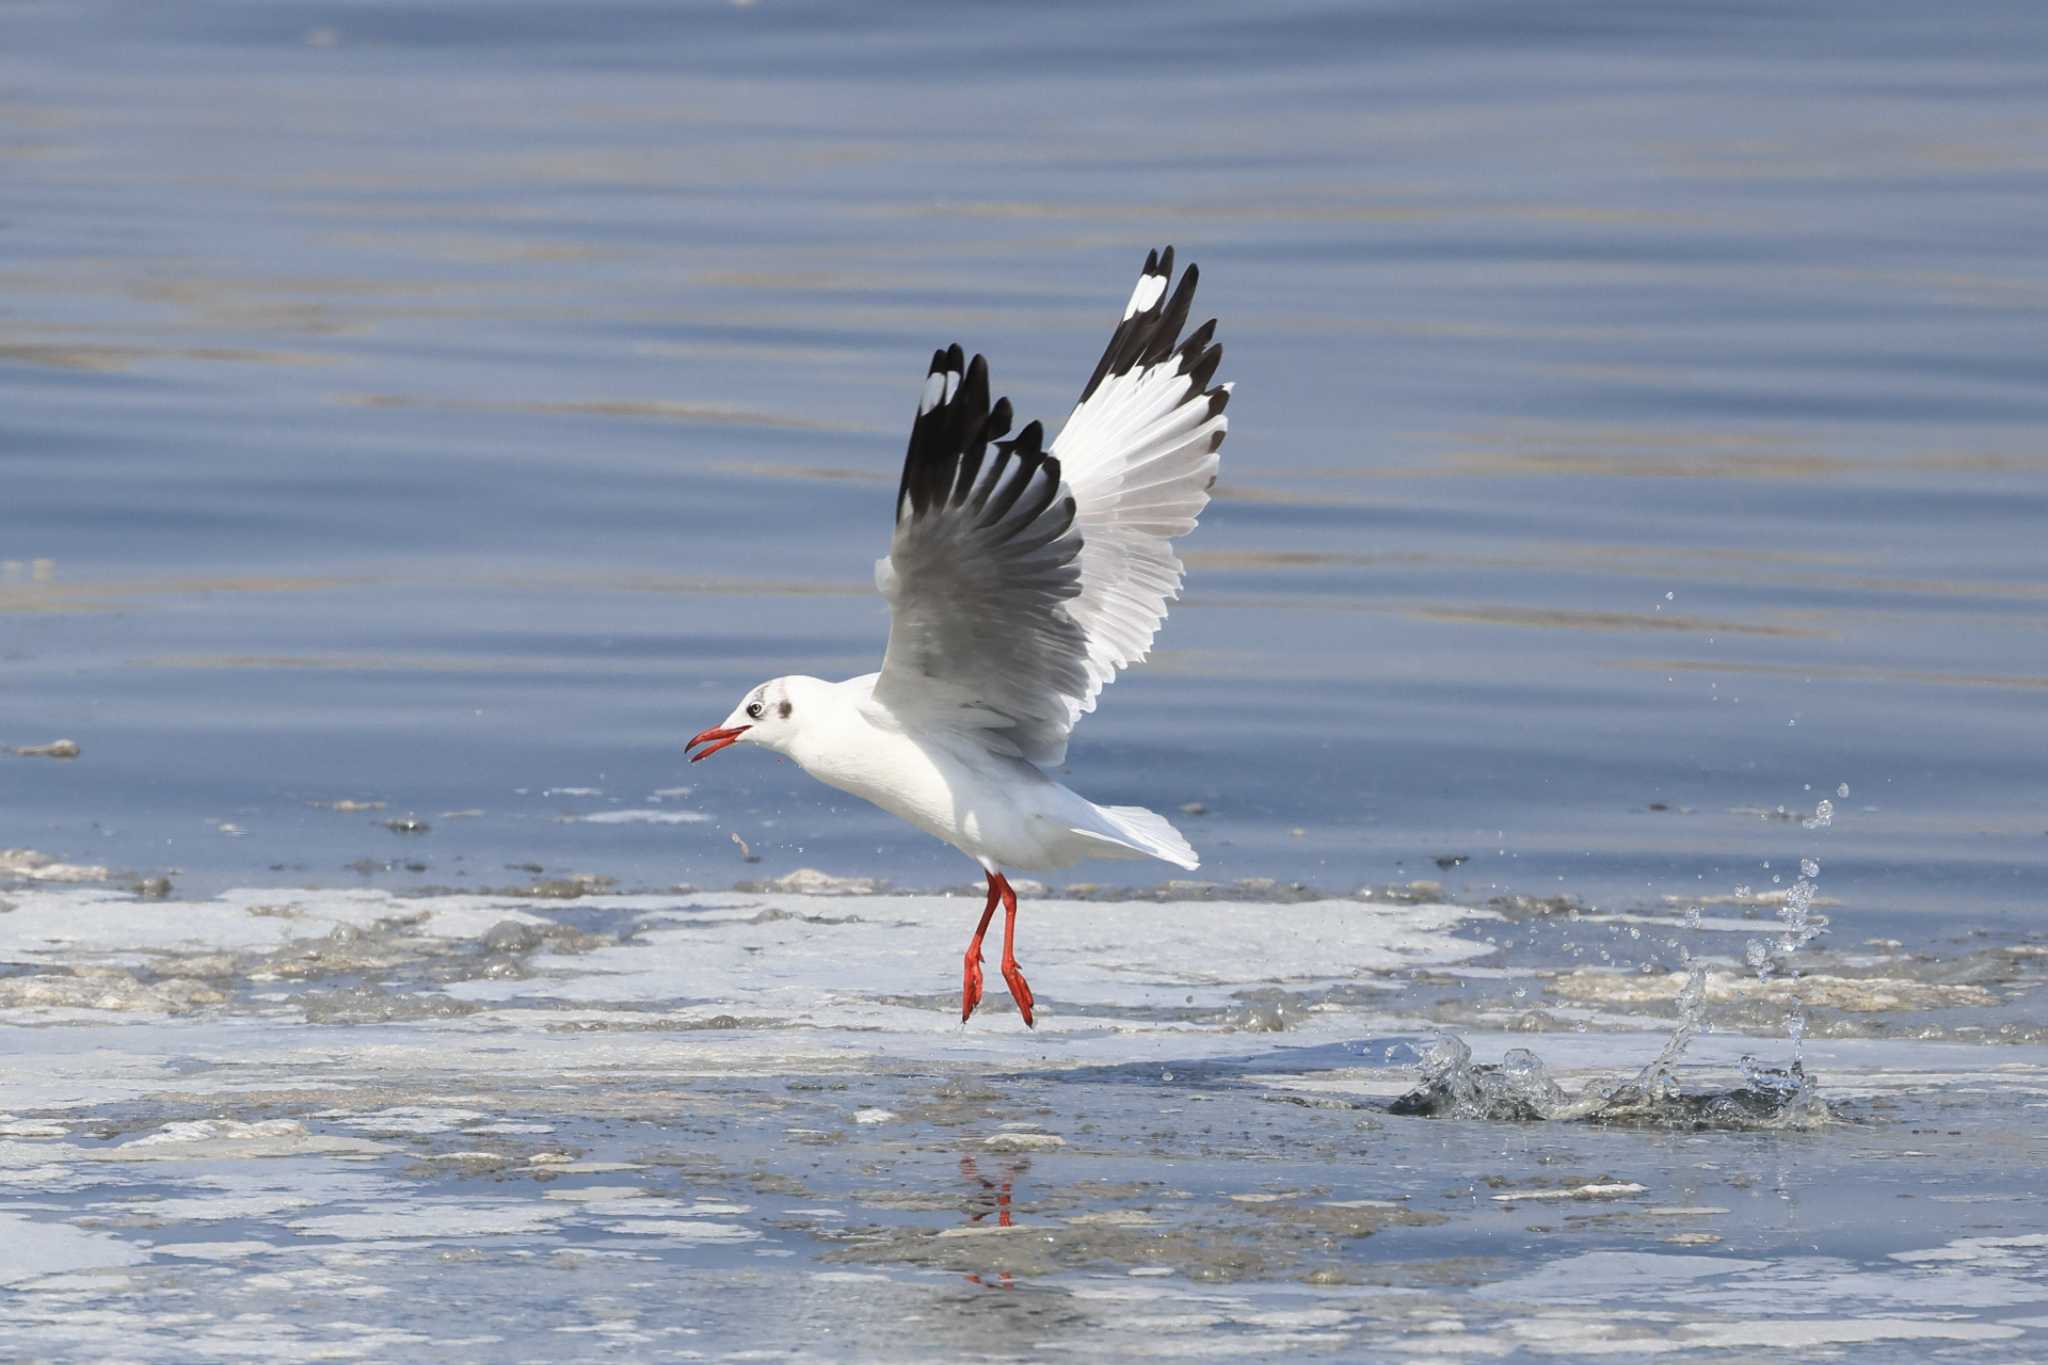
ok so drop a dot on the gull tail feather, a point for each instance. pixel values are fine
(1140, 833)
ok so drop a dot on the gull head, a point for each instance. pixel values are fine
(769, 715)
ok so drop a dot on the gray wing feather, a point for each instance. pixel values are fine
(1019, 580)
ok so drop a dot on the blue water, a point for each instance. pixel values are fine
(444, 404)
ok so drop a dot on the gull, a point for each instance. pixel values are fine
(1021, 576)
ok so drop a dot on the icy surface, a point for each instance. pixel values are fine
(624, 1124)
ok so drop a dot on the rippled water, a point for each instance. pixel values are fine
(443, 404)
(434, 413)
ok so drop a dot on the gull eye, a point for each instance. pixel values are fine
(754, 711)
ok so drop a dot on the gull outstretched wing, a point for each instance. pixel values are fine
(1019, 579)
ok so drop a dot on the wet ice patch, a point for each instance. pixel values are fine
(410, 1119)
(438, 1220)
(69, 928)
(683, 1230)
(1860, 994)
(365, 957)
(1780, 1336)
(2005, 1253)
(214, 1251)
(105, 989)
(640, 817)
(1605, 1189)
(1599, 1274)
(854, 962)
(235, 1139)
(1023, 1142)
(809, 881)
(41, 867)
(32, 1250)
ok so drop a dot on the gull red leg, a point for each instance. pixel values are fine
(1013, 975)
(970, 989)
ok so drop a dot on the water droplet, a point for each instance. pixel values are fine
(1809, 867)
(1843, 790)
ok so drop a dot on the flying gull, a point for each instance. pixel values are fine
(1022, 575)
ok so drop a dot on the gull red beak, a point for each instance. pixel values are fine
(717, 739)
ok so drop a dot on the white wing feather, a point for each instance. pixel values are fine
(1140, 453)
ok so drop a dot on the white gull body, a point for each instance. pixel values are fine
(1000, 810)
(1020, 579)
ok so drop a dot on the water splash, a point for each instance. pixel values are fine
(1800, 926)
(1520, 1089)
(1771, 1080)
(1660, 1077)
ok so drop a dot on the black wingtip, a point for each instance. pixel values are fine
(952, 413)
(1149, 335)
(1172, 315)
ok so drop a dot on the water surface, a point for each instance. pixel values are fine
(440, 405)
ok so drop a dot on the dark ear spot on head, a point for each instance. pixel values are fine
(784, 710)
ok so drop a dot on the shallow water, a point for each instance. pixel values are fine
(430, 415)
